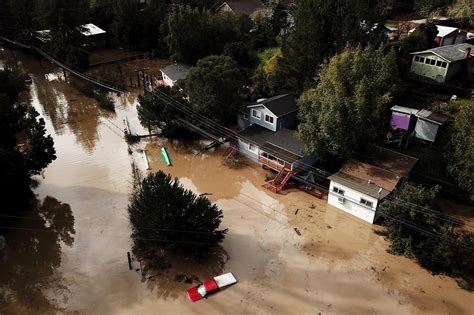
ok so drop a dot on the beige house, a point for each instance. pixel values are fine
(442, 63)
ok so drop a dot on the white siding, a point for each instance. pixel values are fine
(167, 80)
(244, 150)
(351, 203)
(263, 111)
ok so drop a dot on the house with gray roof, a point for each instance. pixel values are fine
(174, 72)
(442, 63)
(359, 186)
(247, 7)
(269, 138)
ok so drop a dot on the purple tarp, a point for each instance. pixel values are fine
(400, 121)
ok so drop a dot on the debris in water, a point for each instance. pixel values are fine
(312, 206)
(297, 231)
(329, 227)
(296, 212)
(205, 194)
(183, 279)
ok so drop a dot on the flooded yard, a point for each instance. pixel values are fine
(69, 255)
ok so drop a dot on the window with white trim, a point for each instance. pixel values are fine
(366, 202)
(256, 114)
(338, 191)
(246, 116)
(253, 148)
(269, 119)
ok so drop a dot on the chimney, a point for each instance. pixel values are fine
(467, 52)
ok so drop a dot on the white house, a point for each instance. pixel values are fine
(359, 187)
(174, 72)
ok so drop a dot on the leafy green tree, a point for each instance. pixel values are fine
(422, 234)
(188, 38)
(214, 88)
(24, 147)
(460, 156)
(127, 23)
(137, 28)
(321, 29)
(462, 11)
(161, 210)
(194, 34)
(155, 111)
(350, 105)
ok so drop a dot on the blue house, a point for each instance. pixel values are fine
(268, 137)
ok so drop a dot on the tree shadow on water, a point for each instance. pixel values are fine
(29, 280)
(179, 273)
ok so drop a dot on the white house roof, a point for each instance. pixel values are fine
(91, 30)
(451, 53)
(87, 30)
(405, 110)
(445, 30)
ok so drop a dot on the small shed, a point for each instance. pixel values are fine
(428, 124)
(403, 118)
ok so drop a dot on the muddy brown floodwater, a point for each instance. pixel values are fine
(69, 255)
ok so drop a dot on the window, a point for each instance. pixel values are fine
(338, 191)
(422, 59)
(444, 64)
(252, 147)
(256, 114)
(417, 59)
(438, 63)
(366, 202)
(433, 62)
(246, 116)
(427, 60)
(269, 119)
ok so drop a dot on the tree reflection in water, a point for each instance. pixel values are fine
(165, 282)
(29, 280)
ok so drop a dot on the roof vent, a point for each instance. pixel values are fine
(380, 191)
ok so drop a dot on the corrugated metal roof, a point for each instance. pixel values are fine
(431, 116)
(445, 30)
(359, 185)
(450, 53)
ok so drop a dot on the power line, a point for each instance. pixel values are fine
(225, 132)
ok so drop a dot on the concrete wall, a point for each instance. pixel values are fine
(351, 203)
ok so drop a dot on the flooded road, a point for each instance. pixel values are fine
(69, 255)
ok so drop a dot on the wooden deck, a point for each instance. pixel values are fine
(276, 165)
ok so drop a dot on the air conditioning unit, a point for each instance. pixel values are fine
(340, 199)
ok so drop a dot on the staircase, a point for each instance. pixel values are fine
(277, 184)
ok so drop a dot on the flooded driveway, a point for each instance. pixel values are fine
(68, 256)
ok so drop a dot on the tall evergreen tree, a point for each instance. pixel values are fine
(321, 29)
(460, 155)
(214, 88)
(350, 105)
(161, 209)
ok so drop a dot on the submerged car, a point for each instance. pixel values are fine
(208, 287)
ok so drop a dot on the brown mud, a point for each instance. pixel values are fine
(69, 255)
